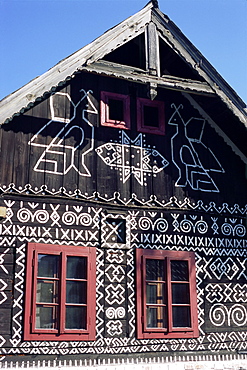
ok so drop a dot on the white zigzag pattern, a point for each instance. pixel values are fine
(130, 287)
(99, 293)
(17, 307)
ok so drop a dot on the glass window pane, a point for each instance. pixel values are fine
(151, 116)
(151, 293)
(48, 265)
(116, 110)
(181, 317)
(179, 270)
(76, 292)
(46, 317)
(47, 291)
(155, 269)
(180, 293)
(156, 317)
(76, 267)
(76, 317)
(155, 293)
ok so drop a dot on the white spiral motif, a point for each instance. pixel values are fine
(115, 313)
(24, 215)
(202, 227)
(145, 223)
(240, 230)
(186, 226)
(238, 315)
(161, 224)
(110, 313)
(42, 216)
(120, 312)
(226, 229)
(69, 218)
(85, 219)
(217, 315)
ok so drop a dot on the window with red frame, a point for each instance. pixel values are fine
(166, 294)
(60, 297)
(150, 116)
(115, 110)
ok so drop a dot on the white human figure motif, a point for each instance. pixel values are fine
(58, 156)
(190, 155)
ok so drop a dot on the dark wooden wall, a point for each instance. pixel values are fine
(25, 162)
(51, 180)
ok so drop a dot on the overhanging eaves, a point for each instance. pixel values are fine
(155, 24)
(25, 97)
(172, 35)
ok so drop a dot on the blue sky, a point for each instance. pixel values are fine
(36, 34)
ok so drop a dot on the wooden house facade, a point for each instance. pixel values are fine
(123, 207)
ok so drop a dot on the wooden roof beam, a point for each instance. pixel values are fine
(140, 76)
(152, 49)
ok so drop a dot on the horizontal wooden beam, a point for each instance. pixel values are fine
(111, 69)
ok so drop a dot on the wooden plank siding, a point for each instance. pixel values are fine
(165, 182)
(33, 160)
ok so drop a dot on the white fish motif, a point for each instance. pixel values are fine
(131, 158)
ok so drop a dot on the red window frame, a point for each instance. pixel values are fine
(141, 127)
(105, 96)
(60, 333)
(144, 332)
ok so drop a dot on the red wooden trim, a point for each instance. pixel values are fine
(141, 103)
(193, 295)
(169, 295)
(28, 317)
(91, 293)
(104, 108)
(144, 294)
(30, 333)
(62, 295)
(142, 331)
(139, 294)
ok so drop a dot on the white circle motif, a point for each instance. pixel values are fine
(240, 230)
(110, 313)
(202, 227)
(145, 223)
(161, 224)
(85, 219)
(217, 315)
(120, 312)
(226, 229)
(238, 315)
(69, 218)
(186, 226)
(24, 215)
(42, 216)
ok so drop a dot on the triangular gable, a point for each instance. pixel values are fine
(24, 97)
(160, 34)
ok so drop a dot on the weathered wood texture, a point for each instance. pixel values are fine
(57, 149)
(65, 178)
